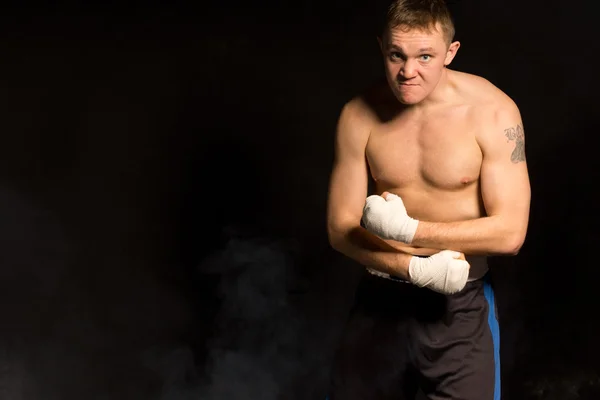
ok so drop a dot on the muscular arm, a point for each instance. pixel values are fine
(505, 191)
(347, 192)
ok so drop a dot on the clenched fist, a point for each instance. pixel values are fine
(387, 218)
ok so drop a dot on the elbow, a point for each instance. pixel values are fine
(513, 249)
(333, 241)
(341, 236)
(511, 245)
(335, 237)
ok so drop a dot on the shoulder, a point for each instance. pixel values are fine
(489, 104)
(368, 108)
(495, 115)
(371, 103)
(485, 94)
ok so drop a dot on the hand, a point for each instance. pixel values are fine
(386, 217)
(445, 272)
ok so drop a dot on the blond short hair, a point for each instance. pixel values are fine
(420, 14)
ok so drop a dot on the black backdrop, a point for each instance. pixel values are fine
(164, 170)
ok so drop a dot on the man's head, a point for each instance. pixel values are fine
(417, 44)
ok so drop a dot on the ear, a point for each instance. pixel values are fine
(380, 41)
(451, 53)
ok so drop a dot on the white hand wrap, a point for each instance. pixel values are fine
(388, 219)
(442, 272)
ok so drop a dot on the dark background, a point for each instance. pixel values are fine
(163, 179)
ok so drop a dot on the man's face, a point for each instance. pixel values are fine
(414, 62)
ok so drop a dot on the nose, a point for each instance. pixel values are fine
(408, 70)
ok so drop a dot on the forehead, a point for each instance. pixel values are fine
(409, 39)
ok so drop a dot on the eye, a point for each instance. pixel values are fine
(396, 56)
(425, 57)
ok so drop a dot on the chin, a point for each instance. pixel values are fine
(409, 100)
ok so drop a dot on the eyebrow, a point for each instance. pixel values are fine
(421, 50)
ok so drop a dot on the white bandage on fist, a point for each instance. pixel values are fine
(388, 219)
(442, 272)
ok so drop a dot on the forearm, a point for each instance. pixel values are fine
(481, 236)
(370, 251)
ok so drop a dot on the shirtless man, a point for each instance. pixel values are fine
(445, 154)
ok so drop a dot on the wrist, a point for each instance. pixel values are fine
(404, 262)
(414, 227)
(413, 265)
(409, 229)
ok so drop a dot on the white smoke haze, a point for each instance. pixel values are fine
(255, 349)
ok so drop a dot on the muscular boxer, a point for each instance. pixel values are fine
(445, 153)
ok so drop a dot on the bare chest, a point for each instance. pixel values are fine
(441, 154)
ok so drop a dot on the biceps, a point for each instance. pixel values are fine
(505, 190)
(347, 192)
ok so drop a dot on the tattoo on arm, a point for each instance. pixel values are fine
(516, 134)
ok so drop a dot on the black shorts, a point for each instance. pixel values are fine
(404, 342)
